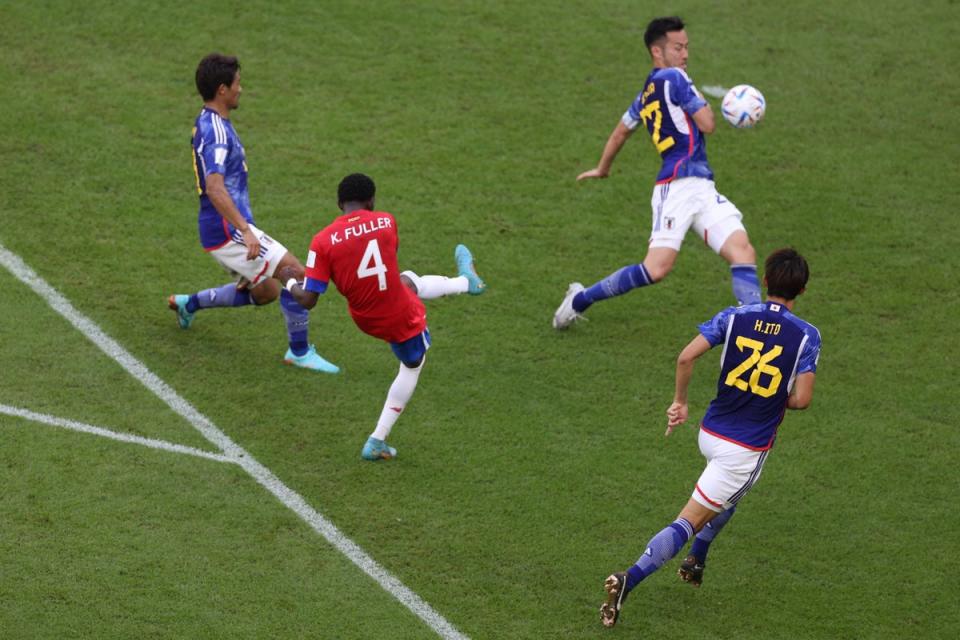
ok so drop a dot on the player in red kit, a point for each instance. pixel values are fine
(358, 252)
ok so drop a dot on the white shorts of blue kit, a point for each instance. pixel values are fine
(233, 257)
(731, 471)
(694, 203)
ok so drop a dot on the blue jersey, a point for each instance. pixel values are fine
(217, 149)
(765, 347)
(665, 107)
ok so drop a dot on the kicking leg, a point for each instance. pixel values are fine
(430, 287)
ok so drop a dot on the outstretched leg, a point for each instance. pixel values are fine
(227, 295)
(654, 268)
(430, 287)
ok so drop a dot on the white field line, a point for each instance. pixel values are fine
(260, 473)
(113, 435)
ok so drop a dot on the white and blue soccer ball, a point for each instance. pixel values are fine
(743, 106)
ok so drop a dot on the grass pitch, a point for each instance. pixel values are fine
(532, 462)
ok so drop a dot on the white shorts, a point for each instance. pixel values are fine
(233, 257)
(687, 202)
(730, 472)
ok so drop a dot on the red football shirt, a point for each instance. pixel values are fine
(358, 252)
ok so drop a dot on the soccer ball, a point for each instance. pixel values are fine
(743, 106)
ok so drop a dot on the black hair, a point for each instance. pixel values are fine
(658, 29)
(214, 70)
(787, 273)
(356, 187)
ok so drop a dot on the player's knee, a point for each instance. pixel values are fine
(408, 283)
(413, 364)
(747, 254)
(738, 250)
(658, 271)
(289, 267)
(265, 292)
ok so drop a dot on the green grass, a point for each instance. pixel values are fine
(531, 462)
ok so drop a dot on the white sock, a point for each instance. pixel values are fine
(430, 287)
(397, 398)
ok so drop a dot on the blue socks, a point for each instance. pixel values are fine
(296, 317)
(746, 286)
(298, 320)
(225, 296)
(661, 548)
(701, 543)
(615, 284)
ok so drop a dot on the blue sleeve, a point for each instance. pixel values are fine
(811, 352)
(715, 329)
(214, 149)
(631, 117)
(683, 95)
(316, 286)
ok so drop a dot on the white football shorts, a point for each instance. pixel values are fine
(692, 202)
(730, 472)
(233, 257)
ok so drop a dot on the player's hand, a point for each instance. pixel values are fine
(592, 173)
(676, 415)
(253, 243)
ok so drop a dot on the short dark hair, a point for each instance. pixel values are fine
(658, 29)
(356, 187)
(786, 272)
(214, 70)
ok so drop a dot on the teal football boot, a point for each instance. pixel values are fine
(375, 450)
(178, 303)
(310, 360)
(465, 266)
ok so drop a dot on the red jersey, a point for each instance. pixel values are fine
(358, 251)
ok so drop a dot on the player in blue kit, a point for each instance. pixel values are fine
(768, 365)
(227, 229)
(676, 116)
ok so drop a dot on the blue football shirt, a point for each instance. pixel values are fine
(765, 347)
(217, 149)
(665, 106)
